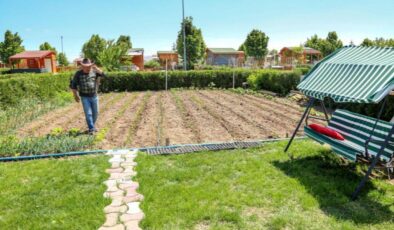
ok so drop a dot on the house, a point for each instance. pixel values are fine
(137, 57)
(2, 65)
(224, 56)
(290, 56)
(169, 57)
(77, 61)
(37, 61)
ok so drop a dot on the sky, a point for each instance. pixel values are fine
(154, 24)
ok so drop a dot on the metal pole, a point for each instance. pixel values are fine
(309, 105)
(166, 76)
(184, 36)
(61, 39)
(372, 166)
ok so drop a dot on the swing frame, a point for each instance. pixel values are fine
(306, 115)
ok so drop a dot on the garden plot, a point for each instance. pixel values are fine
(142, 119)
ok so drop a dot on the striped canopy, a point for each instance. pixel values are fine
(352, 74)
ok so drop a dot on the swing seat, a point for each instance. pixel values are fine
(356, 129)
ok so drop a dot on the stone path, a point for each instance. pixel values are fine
(124, 211)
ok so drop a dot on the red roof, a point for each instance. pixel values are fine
(32, 54)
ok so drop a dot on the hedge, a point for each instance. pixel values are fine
(41, 86)
(139, 81)
(281, 82)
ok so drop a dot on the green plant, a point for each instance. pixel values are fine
(152, 64)
(14, 88)
(56, 131)
(281, 82)
(11, 145)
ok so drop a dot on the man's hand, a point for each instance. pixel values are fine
(97, 69)
(77, 98)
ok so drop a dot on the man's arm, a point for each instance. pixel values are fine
(74, 87)
(98, 71)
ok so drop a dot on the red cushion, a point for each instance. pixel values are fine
(326, 131)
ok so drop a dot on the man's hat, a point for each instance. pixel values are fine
(86, 62)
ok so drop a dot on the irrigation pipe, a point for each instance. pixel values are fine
(68, 154)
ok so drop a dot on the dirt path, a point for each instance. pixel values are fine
(116, 136)
(174, 124)
(146, 134)
(79, 121)
(44, 124)
(283, 110)
(236, 115)
(278, 123)
(211, 130)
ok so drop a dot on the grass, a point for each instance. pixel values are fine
(260, 188)
(53, 194)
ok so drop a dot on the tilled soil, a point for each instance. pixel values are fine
(177, 117)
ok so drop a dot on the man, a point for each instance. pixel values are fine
(84, 87)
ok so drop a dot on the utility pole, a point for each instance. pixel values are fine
(61, 39)
(184, 35)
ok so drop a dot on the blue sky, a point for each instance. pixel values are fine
(154, 24)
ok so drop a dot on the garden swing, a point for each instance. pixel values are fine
(353, 75)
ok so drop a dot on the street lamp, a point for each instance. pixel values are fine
(184, 35)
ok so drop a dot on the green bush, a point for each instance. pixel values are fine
(280, 82)
(40, 86)
(303, 70)
(4, 70)
(138, 81)
(152, 64)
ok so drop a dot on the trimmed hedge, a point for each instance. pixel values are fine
(15, 87)
(41, 86)
(281, 82)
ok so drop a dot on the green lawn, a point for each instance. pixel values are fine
(53, 194)
(260, 188)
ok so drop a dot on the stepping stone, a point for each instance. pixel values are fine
(111, 219)
(117, 201)
(115, 209)
(129, 184)
(116, 227)
(113, 194)
(132, 198)
(134, 208)
(115, 165)
(132, 225)
(128, 217)
(110, 183)
(114, 170)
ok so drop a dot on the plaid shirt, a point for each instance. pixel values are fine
(85, 83)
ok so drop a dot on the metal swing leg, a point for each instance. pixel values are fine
(373, 164)
(308, 107)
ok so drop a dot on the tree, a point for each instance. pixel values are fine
(11, 45)
(152, 64)
(62, 59)
(255, 45)
(112, 56)
(325, 46)
(92, 48)
(124, 40)
(379, 42)
(47, 46)
(195, 45)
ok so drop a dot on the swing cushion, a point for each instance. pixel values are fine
(356, 130)
(326, 131)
